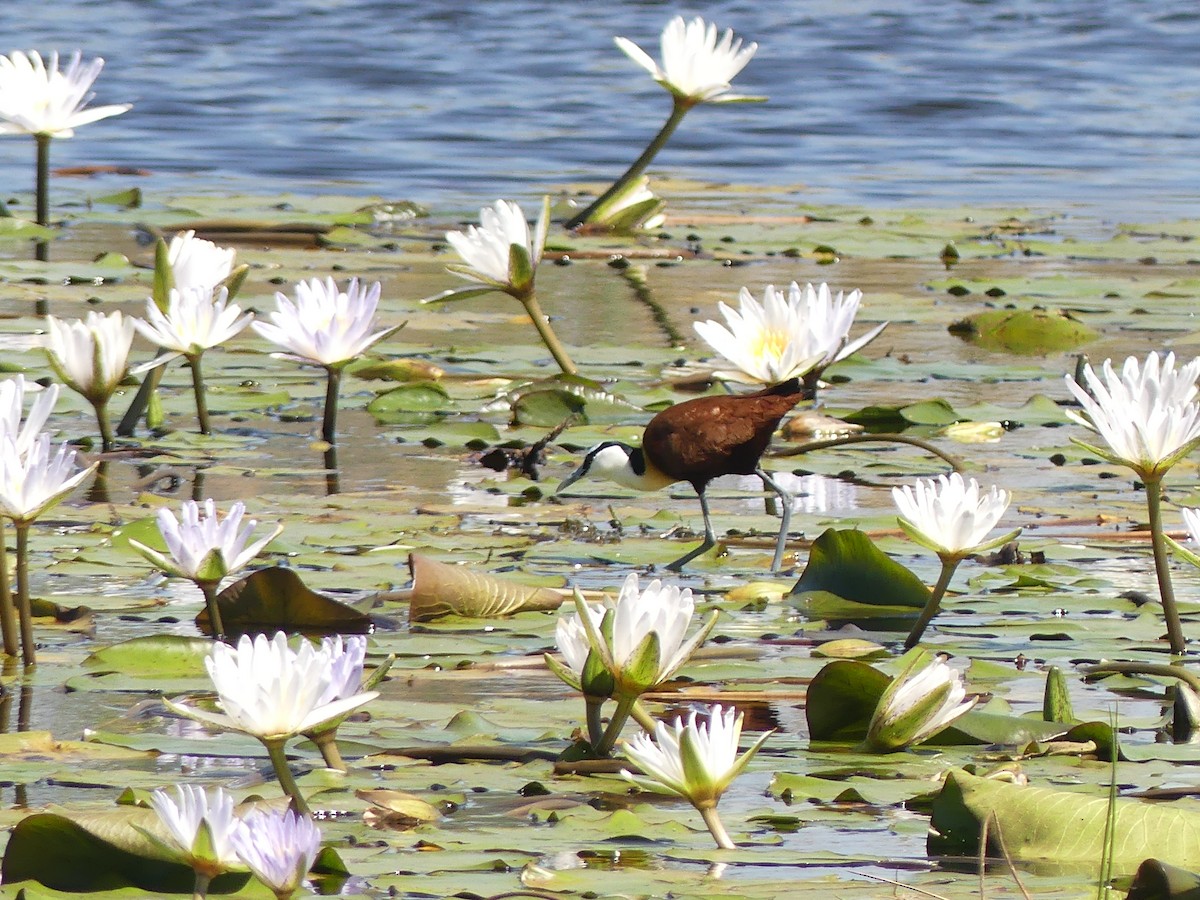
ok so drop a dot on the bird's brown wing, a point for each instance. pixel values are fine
(707, 437)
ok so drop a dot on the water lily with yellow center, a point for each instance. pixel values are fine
(797, 334)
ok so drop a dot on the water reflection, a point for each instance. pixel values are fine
(333, 480)
(812, 494)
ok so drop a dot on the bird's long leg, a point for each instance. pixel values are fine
(769, 506)
(710, 539)
(786, 500)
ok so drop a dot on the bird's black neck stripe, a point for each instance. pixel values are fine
(637, 461)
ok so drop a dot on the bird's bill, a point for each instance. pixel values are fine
(574, 476)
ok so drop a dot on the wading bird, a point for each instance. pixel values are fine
(696, 441)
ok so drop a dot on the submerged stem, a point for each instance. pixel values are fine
(1162, 568)
(28, 648)
(209, 589)
(198, 389)
(102, 422)
(42, 250)
(549, 338)
(949, 564)
(332, 389)
(284, 774)
(595, 722)
(678, 110)
(8, 613)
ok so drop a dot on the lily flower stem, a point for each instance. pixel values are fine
(200, 889)
(595, 725)
(549, 338)
(106, 433)
(949, 564)
(28, 648)
(8, 615)
(678, 110)
(209, 589)
(642, 717)
(615, 724)
(284, 774)
(128, 424)
(198, 390)
(332, 389)
(326, 742)
(42, 251)
(716, 827)
(1162, 565)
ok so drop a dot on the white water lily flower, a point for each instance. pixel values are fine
(197, 263)
(34, 481)
(205, 549)
(786, 336)
(571, 637)
(12, 409)
(202, 826)
(325, 325)
(270, 691)
(696, 761)
(90, 355)
(500, 252)
(278, 847)
(950, 515)
(195, 320)
(1148, 414)
(635, 207)
(697, 65)
(925, 698)
(36, 98)
(1191, 518)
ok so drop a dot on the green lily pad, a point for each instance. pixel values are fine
(275, 598)
(1027, 332)
(845, 565)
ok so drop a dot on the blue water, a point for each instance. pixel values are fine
(1092, 104)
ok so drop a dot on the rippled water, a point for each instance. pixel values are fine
(1076, 102)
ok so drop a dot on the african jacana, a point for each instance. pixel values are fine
(696, 441)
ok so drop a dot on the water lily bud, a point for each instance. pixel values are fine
(921, 701)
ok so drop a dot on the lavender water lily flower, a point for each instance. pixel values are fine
(698, 64)
(47, 101)
(91, 356)
(205, 549)
(1149, 416)
(797, 334)
(696, 759)
(346, 659)
(952, 517)
(328, 327)
(279, 848)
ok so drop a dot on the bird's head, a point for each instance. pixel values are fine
(612, 460)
